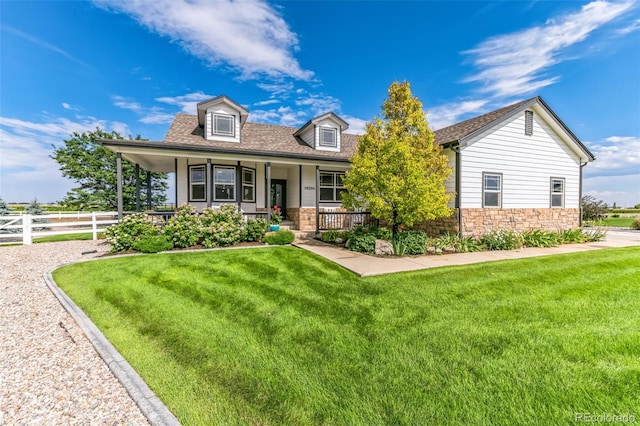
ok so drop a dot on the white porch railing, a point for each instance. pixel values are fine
(30, 226)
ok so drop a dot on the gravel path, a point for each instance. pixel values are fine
(49, 372)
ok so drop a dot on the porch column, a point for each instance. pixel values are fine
(239, 186)
(317, 199)
(119, 184)
(137, 187)
(209, 183)
(267, 193)
(175, 170)
(149, 203)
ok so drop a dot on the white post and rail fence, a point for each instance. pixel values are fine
(29, 226)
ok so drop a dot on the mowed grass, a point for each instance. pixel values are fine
(280, 336)
(65, 237)
(623, 222)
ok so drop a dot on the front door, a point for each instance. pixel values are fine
(279, 195)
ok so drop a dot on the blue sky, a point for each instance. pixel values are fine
(130, 66)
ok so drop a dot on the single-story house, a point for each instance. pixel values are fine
(518, 167)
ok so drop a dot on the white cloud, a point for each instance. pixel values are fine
(267, 102)
(356, 125)
(633, 26)
(283, 116)
(282, 89)
(624, 190)
(69, 107)
(26, 169)
(318, 103)
(515, 64)
(445, 115)
(249, 36)
(616, 155)
(122, 102)
(187, 103)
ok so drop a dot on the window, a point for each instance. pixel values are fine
(331, 187)
(248, 185)
(557, 192)
(197, 183)
(528, 123)
(492, 190)
(223, 125)
(328, 137)
(224, 183)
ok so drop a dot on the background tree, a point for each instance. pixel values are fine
(398, 172)
(592, 208)
(93, 167)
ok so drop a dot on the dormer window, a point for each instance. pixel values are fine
(223, 125)
(328, 137)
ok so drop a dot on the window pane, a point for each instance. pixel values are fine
(492, 199)
(326, 179)
(224, 175)
(328, 137)
(556, 200)
(223, 124)
(339, 178)
(197, 175)
(224, 192)
(247, 193)
(247, 177)
(491, 182)
(557, 186)
(197, 192)
(339, 193)
(326, 194)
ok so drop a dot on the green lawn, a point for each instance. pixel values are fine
(624, 222)
(64, 237)
(281, 336)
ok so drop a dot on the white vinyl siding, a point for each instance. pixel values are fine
(526, 163)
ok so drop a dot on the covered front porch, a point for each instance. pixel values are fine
(308, 192)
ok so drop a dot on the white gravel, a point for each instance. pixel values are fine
(49, 372)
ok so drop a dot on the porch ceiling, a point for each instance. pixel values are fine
(153, 163)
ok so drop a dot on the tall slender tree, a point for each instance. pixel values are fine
(93, 167)
(398, 172)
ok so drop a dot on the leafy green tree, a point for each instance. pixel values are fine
(93, 167)
(4, 209)
(592, 208)
(398, 171)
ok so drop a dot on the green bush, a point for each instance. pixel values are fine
(380, 233)
(636, 223)
(363, 243)
(572, 236)
(593, 235)
(184, 227)
(279, 238)
(221, 226)
(502, 240)
(132, 227)
(410, 242)
(329, 236)
(539, 238)
(153, 244)
(255, 229)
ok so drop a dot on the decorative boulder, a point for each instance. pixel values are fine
(339, 240)
(383, 247)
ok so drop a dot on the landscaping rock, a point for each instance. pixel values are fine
(339, 240)
(383, 247)
(434, 250)
(448, 250)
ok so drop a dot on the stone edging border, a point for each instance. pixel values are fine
(150, 405)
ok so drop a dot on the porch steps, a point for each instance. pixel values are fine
(288, 224)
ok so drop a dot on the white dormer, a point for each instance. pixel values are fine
(323, 132)
(222, 119)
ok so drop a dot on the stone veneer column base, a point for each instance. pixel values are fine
(304, 218)
(482, 221)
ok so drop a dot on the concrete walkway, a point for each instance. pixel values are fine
(366, 265)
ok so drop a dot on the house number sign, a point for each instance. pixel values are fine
(309, 188)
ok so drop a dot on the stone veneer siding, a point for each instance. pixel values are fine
(482, 221)
(304, 218)
(437, 227)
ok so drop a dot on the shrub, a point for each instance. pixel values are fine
(330, 236)
(221, 226)
(153, 244)
(593, 235)
(279, 238)
(636, 223)
(502, 240)
(410, 242)
(132, 227)
(593, 209)
(539, 238)
(255, 229)
(572, 236)
(379, 233)
(363, 243)
(184, 227)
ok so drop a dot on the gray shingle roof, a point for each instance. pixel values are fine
(256, 138)
(458, 131)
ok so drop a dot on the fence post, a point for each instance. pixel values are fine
(26, 229)
(94, 226)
